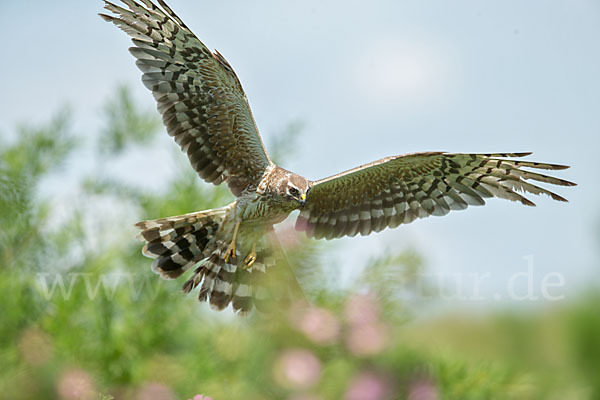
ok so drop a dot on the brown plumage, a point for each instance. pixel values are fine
(397, 190)
(205, 110)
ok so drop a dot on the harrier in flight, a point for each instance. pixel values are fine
(205, 110)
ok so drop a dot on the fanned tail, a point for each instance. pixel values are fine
(178, 243)
(222, 282)
(201, 240)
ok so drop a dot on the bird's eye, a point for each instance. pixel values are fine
(293, 191)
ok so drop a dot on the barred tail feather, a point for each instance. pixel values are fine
(178, 243)
(201, 240)
(232, 282)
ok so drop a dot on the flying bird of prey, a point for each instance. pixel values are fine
(205, 110)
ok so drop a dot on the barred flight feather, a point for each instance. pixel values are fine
(398, 190)
(198, 94)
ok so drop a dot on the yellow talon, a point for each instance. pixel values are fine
(230, 252)
(251, 258)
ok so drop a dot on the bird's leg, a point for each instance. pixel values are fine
(230, 253)
(249, 260)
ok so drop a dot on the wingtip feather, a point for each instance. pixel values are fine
(558, 198)
(522, 154)
(527, 202)
(106, 17)
(560, 166)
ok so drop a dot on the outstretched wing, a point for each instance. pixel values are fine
(397, 190)
(199, 96)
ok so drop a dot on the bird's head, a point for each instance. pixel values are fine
(291, 189)
(297, 189)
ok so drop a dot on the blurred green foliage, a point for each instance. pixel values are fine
(83, 317)
(125, 125)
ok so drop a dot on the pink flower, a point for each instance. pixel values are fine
(201, 397)
(367, 335)
(368, 386)
(76, 384)
(423, 389)
(362, 309)
(364, 340)
(318, 324)
(297, 369)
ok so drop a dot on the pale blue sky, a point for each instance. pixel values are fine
(370, 80)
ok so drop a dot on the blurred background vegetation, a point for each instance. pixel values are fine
(83, 317)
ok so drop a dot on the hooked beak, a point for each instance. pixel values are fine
(303, 199)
